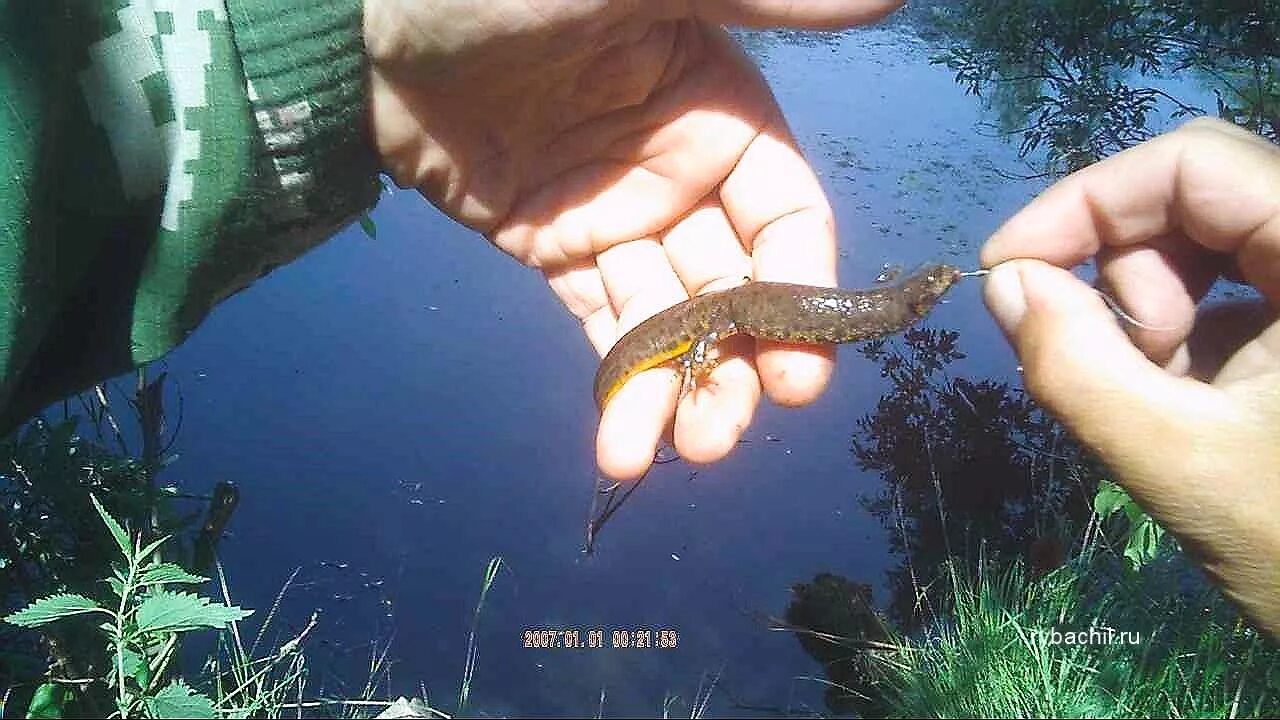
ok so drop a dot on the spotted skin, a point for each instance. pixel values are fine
(784, 312)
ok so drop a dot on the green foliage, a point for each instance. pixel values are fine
(141, 632)
(468, 672)
(49, 701)
(993, 658)
(117, 533)
(1159, 643)
(182, 612)
(169, 573)
(1082, 79)
(177, 700)
(54, 607)
(57, 476)
(1143, 536)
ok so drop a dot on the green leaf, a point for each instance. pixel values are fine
(117, 532)
(54, 607)
(366, 224)
(179, 612)
(135, 666)
(116, 586)
(1144, 542)
(168, 573)
(154, 545)
(1110, 498)
(49, 701)
(178, 700)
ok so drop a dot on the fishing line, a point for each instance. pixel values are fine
(1115, 308)
(1111, 302)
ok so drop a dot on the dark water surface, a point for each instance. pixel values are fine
(415, 404)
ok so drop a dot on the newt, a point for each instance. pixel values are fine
(785, 312)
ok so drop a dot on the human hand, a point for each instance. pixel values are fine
(1163, 219)
(632, 153)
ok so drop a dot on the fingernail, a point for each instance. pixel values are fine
(1005, 298)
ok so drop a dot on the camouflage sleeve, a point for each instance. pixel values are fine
(156, 156)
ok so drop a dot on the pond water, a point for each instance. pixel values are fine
(398, 410)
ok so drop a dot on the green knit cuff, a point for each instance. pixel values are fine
(304, 63)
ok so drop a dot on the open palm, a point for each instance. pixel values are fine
(633, 154)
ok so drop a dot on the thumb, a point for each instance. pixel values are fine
(1079, 364)
(1201, 460)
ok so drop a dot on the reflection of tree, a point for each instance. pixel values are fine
(1079, 78)
(966, 464)
(835, 622)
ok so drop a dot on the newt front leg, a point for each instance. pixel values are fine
(701, 359)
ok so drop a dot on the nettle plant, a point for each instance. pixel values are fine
(142, 624)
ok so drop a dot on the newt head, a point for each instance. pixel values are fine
(924, 287)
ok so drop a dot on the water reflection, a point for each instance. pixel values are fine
(836, 622)
(956, 452)
(1075, 85)
(969, 468)
(968, 464)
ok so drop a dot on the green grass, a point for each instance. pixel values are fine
(998, 651)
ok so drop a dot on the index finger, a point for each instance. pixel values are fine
(1209, 183)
